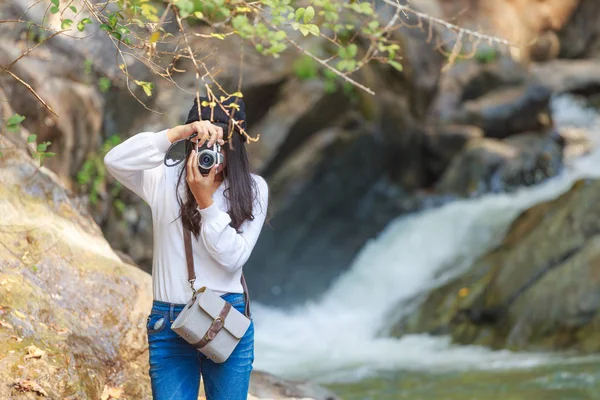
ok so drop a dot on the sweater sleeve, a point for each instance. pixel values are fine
(228, 247)
(137, 162)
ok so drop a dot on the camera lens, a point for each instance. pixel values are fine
(206, 159)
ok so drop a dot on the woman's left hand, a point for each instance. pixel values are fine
(202, 187)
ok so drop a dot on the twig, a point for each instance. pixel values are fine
(28, 86)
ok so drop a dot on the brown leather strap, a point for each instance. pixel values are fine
(187, 239)
(189, 258)
(246, 297)
(215, 327)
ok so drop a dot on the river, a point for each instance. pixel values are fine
(341, 342)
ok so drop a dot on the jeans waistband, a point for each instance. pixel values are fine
(158, 305)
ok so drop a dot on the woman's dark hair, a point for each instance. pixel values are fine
(240, 193)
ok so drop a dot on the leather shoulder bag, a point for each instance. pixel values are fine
(208, 322)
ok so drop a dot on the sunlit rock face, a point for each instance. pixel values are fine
(65, 293)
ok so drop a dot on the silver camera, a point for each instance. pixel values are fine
(208, 157)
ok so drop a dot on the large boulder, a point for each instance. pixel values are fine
(72, 315)
(580, 77)
(538, 290)
(507, 111)
(490, 165)
(471, 79)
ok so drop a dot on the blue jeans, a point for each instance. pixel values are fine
(175, 366)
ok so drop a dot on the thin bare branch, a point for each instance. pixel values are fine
(28, 86)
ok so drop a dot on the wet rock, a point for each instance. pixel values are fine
(268, 386)
(490, 165)
(581, 77)
(504, 112)
(538, 290)
(471, 79)
(445, 142)
(576, 143)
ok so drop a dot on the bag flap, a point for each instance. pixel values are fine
(236, 323)
(211, 303)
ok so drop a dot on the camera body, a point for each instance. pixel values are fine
(208, 157)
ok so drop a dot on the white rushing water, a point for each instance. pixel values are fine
(337, 339)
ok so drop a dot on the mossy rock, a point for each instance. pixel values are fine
(538, 290)
(64, 292)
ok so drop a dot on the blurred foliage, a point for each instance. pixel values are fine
(92, 176)
(37, 150)
(486, 55)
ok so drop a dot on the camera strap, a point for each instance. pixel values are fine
(187, 239)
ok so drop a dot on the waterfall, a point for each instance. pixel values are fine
(336, 338)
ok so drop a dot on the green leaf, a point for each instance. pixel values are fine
(80, 26)
(54, 9)
(396, 65)
(66, 24)
(237, 94)
(31, 138)
(299, 13)
(186, 7)
(105, 27)
(104, 84)
(147, 86)
(50, 154)
(239, 22)
(42, 146)
(127, 41)
(276, 48)
(112, 20)
(279, 35)
(15, 119)
(55, 2)
(1, 154)
(352, 50)
(198, 14)
(313, 29)
(309, 14)
(73, 8)
(116, 35)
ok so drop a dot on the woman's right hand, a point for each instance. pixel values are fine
(206, 132)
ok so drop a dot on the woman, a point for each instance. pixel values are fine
(225, 211)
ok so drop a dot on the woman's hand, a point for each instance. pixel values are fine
(201, 186)
(205, 129)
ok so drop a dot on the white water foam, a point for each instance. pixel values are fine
(337, 339)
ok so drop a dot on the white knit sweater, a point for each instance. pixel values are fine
(219, 252)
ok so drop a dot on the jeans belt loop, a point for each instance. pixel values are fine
(171, 307)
